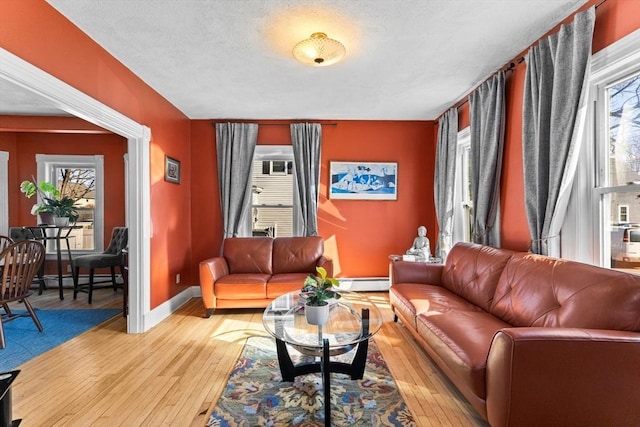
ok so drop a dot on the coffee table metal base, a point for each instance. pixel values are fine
(326, 366)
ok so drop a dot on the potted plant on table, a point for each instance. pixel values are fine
(317, 292)
(52, 208)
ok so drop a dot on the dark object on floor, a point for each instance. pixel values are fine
(6, 416)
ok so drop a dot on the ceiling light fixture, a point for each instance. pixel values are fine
(319, 50)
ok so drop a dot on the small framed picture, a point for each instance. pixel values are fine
(171, 170)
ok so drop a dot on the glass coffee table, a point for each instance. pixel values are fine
(352, 321)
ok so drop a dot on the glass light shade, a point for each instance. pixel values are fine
(319, 50)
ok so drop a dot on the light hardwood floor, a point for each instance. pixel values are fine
(173, 374)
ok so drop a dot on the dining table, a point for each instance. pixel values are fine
(56, 234)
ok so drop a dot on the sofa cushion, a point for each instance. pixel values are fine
(472, 271)
(461, 339)
(296, 254)
(248, 254)
(536, 290)
(242, 286)
(411, 299)
(280, 284)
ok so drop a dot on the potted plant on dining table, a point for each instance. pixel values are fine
(318, 291)
(52, 207)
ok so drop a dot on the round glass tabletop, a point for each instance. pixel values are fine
(353, 318)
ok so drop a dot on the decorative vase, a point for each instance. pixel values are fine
(61, 221)
(317, 314)
(46, 218)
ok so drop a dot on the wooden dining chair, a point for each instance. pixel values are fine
(4, 242)
(20, 262)
(18, 234)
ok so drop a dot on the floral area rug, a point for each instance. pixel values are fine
(255, 394)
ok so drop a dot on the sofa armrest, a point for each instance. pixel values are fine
(415, 272)
(563, 376)
(326, 263)
(211, 270)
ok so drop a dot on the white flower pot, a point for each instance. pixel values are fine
(61, 221)
(317, 314)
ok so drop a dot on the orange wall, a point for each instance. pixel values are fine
(34, 31)
(359, 234)
(23, 166)
(614, 20)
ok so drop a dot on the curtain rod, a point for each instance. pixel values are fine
(276, 124)
(509, 67)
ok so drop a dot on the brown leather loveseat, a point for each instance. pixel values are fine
(252, 271)
(529, 340)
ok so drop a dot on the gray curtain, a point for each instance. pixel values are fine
(306, 139)
(557, 69)
(486, 111)
(444, 179)
(235, 145)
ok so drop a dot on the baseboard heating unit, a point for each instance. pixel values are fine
(364, 284)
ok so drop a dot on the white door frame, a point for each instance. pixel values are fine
(4, 193)
(71, 100)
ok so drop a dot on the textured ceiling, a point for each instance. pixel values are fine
(406, 60)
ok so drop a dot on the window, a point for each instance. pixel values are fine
(618, 143)
(463, 204)
(603, 211)
(81, 178)
(623, 213)
(277, 167)
(272, 195)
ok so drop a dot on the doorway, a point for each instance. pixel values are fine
(69, 99)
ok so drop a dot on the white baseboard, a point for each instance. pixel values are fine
(168, 307)
(364, 284)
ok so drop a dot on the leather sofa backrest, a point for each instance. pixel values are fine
(472, 271)
(296, 254)
(536, 290)
(248, 254)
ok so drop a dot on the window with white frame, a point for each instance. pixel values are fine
(463, 204)
(81, 178)
(273, 192)
(623, 213)
(618, 144)
(606, 194)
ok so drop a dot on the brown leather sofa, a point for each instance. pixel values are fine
(253, 271)
(529, 340)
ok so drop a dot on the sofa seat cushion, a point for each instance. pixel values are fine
(462, 338)
(242, 286)
(411, 299)
(280, 284)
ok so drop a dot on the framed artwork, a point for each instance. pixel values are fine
(363, 180)
(171, 170)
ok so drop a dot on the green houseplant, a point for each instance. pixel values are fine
(317, 290)
(51, 205)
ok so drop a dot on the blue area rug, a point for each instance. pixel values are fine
(24, 342)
